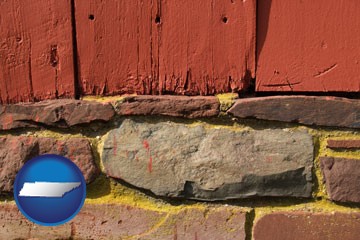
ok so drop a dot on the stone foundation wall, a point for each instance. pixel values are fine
(176, 167)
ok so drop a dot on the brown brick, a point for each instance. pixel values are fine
(176, 106)
(16, 150)
(13, 225)
(225, 223)
(117, 221)
(324, 111)
(343, 144)
(58, 113)
(111, 221)
(308, 226)
(342, 178)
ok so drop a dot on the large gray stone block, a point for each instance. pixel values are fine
(197, 162)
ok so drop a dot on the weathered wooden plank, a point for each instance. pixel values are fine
(206, 47)
(157, 47)
(308, 46)
(36, 54)
(114, 45)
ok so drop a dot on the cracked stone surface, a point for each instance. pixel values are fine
(16, 150)
(57, 113)
(178, 160)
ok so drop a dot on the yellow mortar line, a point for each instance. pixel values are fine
(151, 230)
(227, 100)
(105, 99)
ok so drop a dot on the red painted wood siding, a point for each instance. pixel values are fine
(186, 47)
(157, 47)
(36, 54)
(307, 45)
(115, 42)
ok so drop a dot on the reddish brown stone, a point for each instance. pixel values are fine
(343, 144)
(226, 223)
(59, 113)
(177, 106)
(342, 178)
(308, 226)
(111, 221)
(77, 150)
(119, 221)
(13, 225)
(15, 151)
(324, 111)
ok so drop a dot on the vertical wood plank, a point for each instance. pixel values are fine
(206, 46)
(165, 47)
(36, 60)
(305, 46)
(114, 46)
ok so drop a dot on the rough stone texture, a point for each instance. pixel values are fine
(342, 178)
(225, 223)
(118, 221)
(325, 111)
(15, 151)
(343, 144)
(307, 226)
(59, 113)
(13, 225)
(110, 221)
(176, 106)
(178, 160)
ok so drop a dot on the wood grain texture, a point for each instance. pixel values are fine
(114, 41)
(165, 47)
(206, 47)
(306, 45)
(36, 54)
